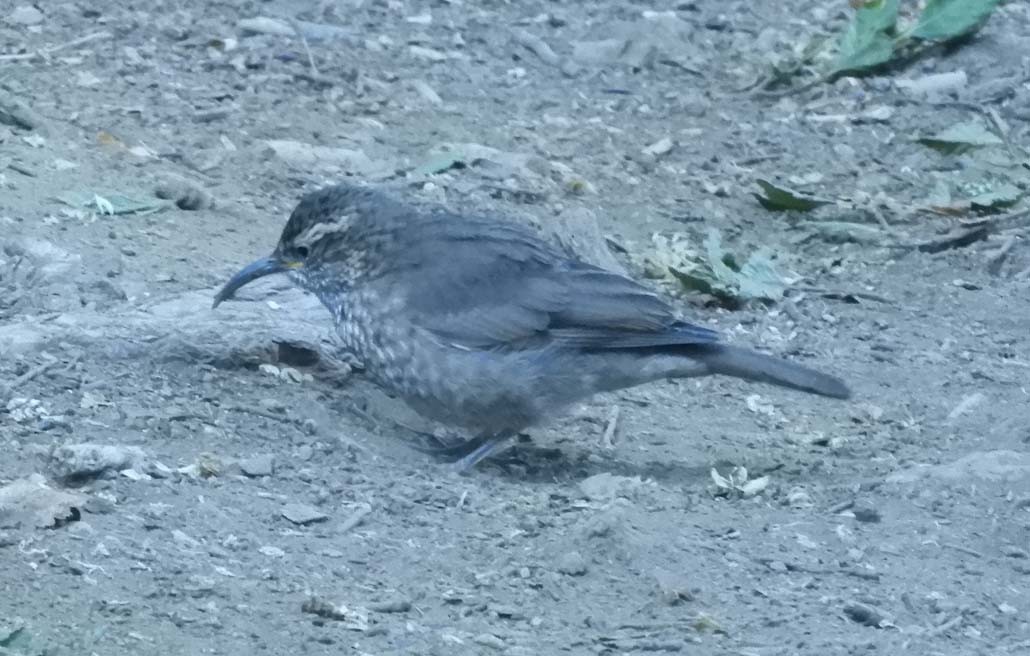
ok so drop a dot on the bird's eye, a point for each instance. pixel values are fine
(302, 252)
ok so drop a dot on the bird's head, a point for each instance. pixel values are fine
(316, 247)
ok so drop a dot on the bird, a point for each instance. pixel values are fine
(479, 323)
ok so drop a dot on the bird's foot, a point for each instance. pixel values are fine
(486, 446)
(449, 447)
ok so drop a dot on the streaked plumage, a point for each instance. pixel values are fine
(477, 322)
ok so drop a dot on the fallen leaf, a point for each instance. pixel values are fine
(961, 138)
(948, 19)
(717, 272)
(778, 199)
(867, 42)
(111, 203)
(1002, 196)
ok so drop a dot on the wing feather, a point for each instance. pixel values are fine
(490, 285)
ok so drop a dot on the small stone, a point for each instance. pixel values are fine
(272, 405)
(428, 54)
(661, 147)
(25, 15)
(867, 514)
(572, 564)
(391, 606)
(272, 552)
(605, 486)
(506, 612)
(76, 461)
(185, 540)
(303, 514)
(489, 640)
(265, 25)
(866, 614)
(260, 465)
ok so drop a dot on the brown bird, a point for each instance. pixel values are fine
(478, 323)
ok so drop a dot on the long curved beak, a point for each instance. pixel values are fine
(266, 266)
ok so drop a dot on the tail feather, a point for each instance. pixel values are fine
(751, 365)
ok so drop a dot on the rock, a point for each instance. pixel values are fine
(573, 564)
(999, 466)
(25, 15)
(578, 231)
(265, 25)
(604, 487)
(489, 640)
(325, 32)
(301, 154)
(90, 460)
(661, 147)
(658, 36)
(259, 465)
(108, 290)
(49, 260)
(427, 54)
(427, 92)
(303, 514)
(186, 194)
(934, 85)
(672, 587)
(32, 502)
(398, 605)
(866, 614)
(866, 513)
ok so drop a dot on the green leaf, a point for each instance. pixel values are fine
(778, 199)
(867, 43)
(961, 138)
(716, 272)
(948, 19)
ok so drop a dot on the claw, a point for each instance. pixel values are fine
(487, 447)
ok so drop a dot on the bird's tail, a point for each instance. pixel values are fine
(751, 365)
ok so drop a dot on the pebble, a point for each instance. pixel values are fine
(303, 514)
(391, 606)
(265, 25)
(934, 85)
(866, 614)
(427, 53)
(573, 564)
(259, 465)
(864, 513)
(82, 460)
(489, 640)
(1000, 465)
(25, 15)
(605, 486)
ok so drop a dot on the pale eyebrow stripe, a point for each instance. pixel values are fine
(313, 234)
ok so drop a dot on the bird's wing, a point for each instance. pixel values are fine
(509, 288)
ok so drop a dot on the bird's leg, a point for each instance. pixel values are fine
(451, 448)
(487, 446)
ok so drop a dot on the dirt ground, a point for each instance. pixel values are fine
(252, 501)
